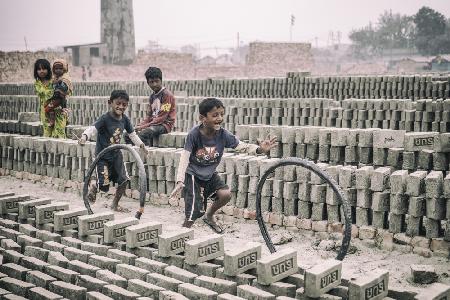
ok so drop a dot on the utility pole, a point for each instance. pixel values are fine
(316, 40)
(26, 45)
(237, 46)
(291, 27)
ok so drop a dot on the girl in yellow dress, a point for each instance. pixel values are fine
(43, 88)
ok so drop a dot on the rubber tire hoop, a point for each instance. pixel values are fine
(315, 169)
(142, 174)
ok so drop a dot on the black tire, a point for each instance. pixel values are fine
(142, 175)
(315, 169)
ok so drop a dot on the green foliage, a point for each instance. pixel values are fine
(428, 31)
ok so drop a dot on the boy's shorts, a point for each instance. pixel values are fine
(195, 202)
(111, 170)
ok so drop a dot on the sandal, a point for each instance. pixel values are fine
(119, 208)
(214, 226)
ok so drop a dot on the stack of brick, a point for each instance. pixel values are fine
(291, 197)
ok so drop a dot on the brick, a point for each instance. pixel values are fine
(10, 233)
(39, 293)
(97, 249)
(77, 254)
(143, 288)
(163, 281)
(150, 265)
(24, 241)
(14, 270)
(124, 257)
(82, 268)
(60, 273)
(215, 284)
(11, 204)
(44, 213)
(27, 208)
(143, 234)
(174, 242)
(250, 292)
(203, 249)
(380, 179)
(92, 224)
(398, 181)
(117, 292)
(323, 277)
(239, 260)
(131, 272)
(97, 296)
(423, 274)
(39, 279)
(388, 138)
(104, 262)
(71, 242)
(57, 259)
(9, 244)
(192, 291)
(180, 274)
(434, 184)
(416, 183)
(28, 229)
(277, 266)
(65, 220)
(115, 230)
(111, 278)
(46, 235)
(12, 256)
(369, 286)
(90, 283)
(68, 290)
(16, 286)
(227, 296)
(169, 295)
(33, 263)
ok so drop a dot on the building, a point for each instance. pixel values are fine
(88, 54)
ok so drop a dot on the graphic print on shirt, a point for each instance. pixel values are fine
(156, 107)
(115, 139)
(207, 155)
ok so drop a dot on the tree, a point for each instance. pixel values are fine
(364, 41)
(431, 32)
(395, 30)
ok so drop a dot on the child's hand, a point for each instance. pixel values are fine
(143, 149)
(267, 144)
(177, 190)
(82, 140)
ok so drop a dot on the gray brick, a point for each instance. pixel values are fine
(82, 268)
(39, 279)
(323, 277)
(143, 288)
(115, 230)
(61, 273)
(370, 286)
(92, 224)
(203, 249)
(215, 284)
(250, 292)
(77, 254)
(104, 262)
(180, 274)
(57, 259)
(117, 292)
(192, 291)
(64, 220)
(39, 293)
(131, 272)
(124, 257)
(436, 291)
(27, 208)
(15, 271)
(174, 242)
(97, 296)
(111, 278)
(143, 234)
(44, 213)
(98, 249)
(16, 286)
(150, 265)
(68, 290)
(241, 259)
(169, 295)
(277, 266)
(166, 282)
(33, 263)
(90, 283)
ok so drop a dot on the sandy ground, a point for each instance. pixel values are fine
(363, 259)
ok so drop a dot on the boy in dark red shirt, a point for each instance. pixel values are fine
(161, 113)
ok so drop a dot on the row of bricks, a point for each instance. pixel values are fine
(321, 269)
(355, 86)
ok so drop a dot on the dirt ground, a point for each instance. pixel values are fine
(364, 258)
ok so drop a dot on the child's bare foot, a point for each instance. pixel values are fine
(188, 224)
(119, 208)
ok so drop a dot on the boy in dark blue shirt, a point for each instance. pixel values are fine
(202, 153)
(109, 128)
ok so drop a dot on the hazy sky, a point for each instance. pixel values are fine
(204, 23)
